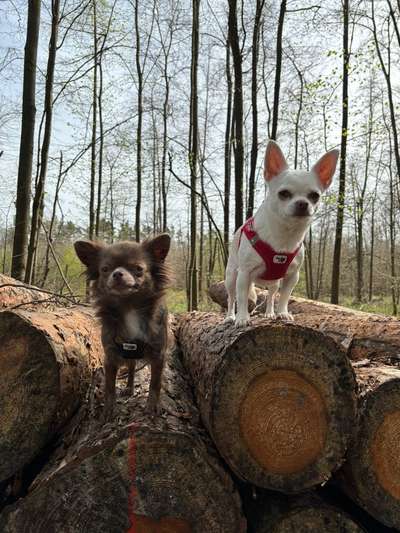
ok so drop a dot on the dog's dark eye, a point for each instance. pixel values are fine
(138, 270)
(284, 194)
(105, 269)
(314, 197)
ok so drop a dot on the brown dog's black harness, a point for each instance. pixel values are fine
(133, 349)
(137, 348)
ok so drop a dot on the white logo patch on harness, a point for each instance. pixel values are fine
(279, 259)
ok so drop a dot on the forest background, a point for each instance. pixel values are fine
(120, 119)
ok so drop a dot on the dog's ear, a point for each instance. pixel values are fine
(89, 253)
(325, 168)
(158, 247)
(274, 162)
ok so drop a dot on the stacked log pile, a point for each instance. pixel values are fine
(139, 474)
(371, 473)
(274, 406)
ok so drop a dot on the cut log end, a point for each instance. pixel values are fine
(278, 399)
(28, 392)
(385, 453)
(46, 359)
(283, 421)
(372, 474)
(313, 519)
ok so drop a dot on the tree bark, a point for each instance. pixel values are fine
(278, 69)
(193, 157)
(343, 147)
(371, 475)
(46, 361)
(227, 152)
(26, 145)
(145, 474)
(14, 293)
(237, 114)
(92, 208)
(139, 72)
(364, 335)
(38, 199)
(280, 417)
(254, 109)
(278, 513)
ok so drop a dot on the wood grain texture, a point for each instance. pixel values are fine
(286, 432)
(371, 475)
(135, 474)
(46, 364)
(363, 335)
(274, 513)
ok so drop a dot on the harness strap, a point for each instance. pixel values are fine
(277, 263)
(133, 349)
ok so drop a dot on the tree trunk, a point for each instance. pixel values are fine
(193, 156)
(227, 153)
(26, 145)
(364, 335)
(254, 110)
(46, 268)
(46, 362)
(139, 72)
(92, 209)
(145, 474)
(233, 37)
(281, 417)
(38, 199)
(386, 70)
(278, 70)
(343, 147)
(101, 146)
(278, 513)
(371, 475)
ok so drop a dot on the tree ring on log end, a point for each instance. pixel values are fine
(385, 452)
(372, 473)
(312, 369)
(28, 392)
(283, 421)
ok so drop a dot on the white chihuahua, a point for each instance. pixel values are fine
(268, 248)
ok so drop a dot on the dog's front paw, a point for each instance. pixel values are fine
(242, 321)
(285, 316)
(270, 315)
(229, 319)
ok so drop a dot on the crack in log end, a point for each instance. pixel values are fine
(385, 453)
(145, 524)
(283, 421)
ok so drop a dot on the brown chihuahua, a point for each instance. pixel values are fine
(129, 283)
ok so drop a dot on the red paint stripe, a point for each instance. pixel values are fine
(132, 450)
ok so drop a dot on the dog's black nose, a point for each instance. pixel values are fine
(117, 274)
(301, 208)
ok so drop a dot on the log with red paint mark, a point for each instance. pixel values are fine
(135, 474)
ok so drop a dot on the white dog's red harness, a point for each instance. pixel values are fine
(276, 263)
